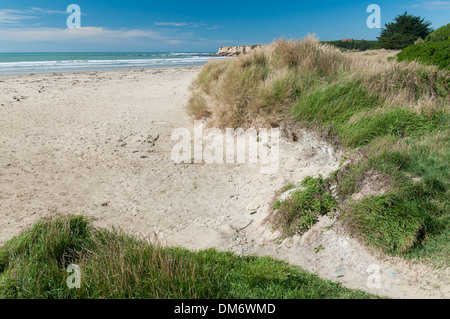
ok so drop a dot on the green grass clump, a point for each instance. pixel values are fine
(434, 50)
(333, 105)
(115, 265)
(399, 123)
(303, 208)
(412, 220)
(357, 117)
(419, 167)
(390, 222)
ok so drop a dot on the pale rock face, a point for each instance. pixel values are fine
(237, 50)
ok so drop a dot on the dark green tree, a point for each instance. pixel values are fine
(403, 32)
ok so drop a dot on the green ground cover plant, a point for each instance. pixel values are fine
(115, 265)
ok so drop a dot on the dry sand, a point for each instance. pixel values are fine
(99, 144)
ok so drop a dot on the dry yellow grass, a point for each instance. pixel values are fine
(375, 55)
(262, 87)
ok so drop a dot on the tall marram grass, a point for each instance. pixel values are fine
(263, 87)
(259, 86)
(392, 118)
(115, 265)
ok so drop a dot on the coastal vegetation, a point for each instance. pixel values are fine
(390, 118)
(403, 32)
(115, 265)
(303, 208)
(354, 45)
(433, 50)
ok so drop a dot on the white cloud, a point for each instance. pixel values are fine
(14, 16)
(433, 5)
(35, 9)
(85, 34)
(186, 24)
(173, 24)
(15, 27)
(197, 25)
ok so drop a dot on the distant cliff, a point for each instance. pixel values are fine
(237, 50)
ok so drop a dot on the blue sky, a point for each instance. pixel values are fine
(129, 25)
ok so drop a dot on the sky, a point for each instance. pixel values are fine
(193, 26)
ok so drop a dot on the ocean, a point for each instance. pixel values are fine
(27, 63)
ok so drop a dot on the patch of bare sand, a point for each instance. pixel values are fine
(99, 144)
(376, 55)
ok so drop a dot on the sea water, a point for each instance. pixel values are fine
(27, 63)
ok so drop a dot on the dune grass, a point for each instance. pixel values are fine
(115, 265)
(304, 207)
(389, 117)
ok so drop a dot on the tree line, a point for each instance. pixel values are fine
(405, 30)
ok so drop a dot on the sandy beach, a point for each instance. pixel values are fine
(99, 144)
